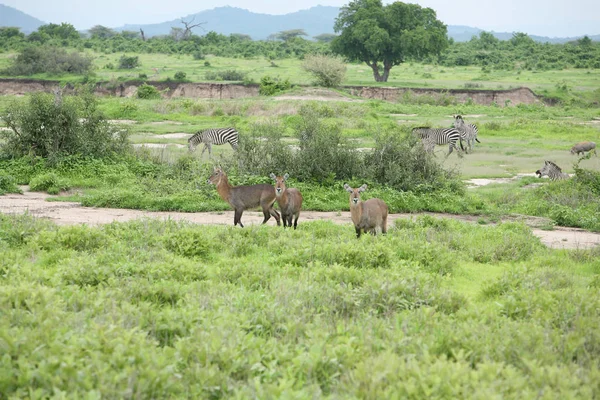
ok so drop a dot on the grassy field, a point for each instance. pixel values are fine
(161, 67)
(435, 309)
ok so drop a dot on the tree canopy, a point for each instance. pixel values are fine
(374, 33)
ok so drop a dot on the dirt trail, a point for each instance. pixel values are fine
(69, 213)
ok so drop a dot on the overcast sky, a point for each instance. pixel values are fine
(553, 18)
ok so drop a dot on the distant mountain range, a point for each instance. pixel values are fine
(228, 20)
(12, 17)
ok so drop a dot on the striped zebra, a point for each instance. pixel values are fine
(468, 132)
(213, 136)
(552, 171)
(430, 137)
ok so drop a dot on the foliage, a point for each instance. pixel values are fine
(227, 75)
(401, 162)
(129, 62)
(55, 61)
(329, 71)
(373, 33)
(8, 184)
(179, 76)
(235, 318)
(56, 126)
(145, 91)
(270, 86)
(49, 182)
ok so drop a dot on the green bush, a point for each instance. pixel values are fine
(329, 71)
(53, 126)
(270, 86)
(129, 62)
(179, 76)
(51, 60)
(400, 162)
(49, 182)
(147, 92)
(8, 184)
(227, 75)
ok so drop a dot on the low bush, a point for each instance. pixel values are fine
(147, 92)
(270, 86)
(328, 71)
(54, 126)
(50, 60)
(227, 75)
(129, 62)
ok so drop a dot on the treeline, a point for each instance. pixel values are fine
(485, 50)
(521, 52)
(105, 40)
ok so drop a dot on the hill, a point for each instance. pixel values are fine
(12, 17)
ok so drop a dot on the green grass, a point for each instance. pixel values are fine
(163, 66)
(434, 309)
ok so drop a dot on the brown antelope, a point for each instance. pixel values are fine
(244, 197)
(370, 215)
(289, 200)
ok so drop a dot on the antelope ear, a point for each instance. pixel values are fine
(286, 176)
(362, 188)
(272, 176)
(348, 188)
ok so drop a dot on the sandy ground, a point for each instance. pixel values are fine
(68, 213)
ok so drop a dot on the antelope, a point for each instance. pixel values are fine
(244, 197)
(370, 215)
(289, 200)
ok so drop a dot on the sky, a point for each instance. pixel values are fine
(553, 18)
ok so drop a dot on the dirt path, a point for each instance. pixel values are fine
(68, 213)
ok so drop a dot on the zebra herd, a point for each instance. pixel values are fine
(462, 132)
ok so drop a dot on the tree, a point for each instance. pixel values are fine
(324, 37)
(291, 34)
(101, 32)
(62, 31)
(328, 71)
(8, 32)
(189, 25)
(374, 33)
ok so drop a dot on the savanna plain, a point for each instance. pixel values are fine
(436, 308)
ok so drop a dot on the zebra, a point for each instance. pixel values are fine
(213, 136)
(439, 136)
(468, 132)
(552, 171)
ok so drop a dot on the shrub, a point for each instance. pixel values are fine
(49, 182)
(52, 126)
(51, 60)
(146, 92)
(399, 161)
(179, 76)
(129, 62)
(198, 55)
(8, 184)
(328, 71)
(270, 86)
(227, 75)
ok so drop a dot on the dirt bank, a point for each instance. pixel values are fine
(69, 213)
(203, 90)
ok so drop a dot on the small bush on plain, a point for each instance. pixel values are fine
(129, 62)
(51, 60)
(328, 71)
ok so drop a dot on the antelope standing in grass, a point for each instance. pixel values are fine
(244, 197)
(289, 200)
(369, 216)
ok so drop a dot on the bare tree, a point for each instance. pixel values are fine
(142, 32)
(189, 25)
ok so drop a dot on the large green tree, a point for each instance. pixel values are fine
(385, 36)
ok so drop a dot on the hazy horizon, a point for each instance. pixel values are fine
(534, 17)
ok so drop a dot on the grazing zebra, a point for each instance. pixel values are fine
(213, 136)
(439, 136)
(552, 171)
(468, 132)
